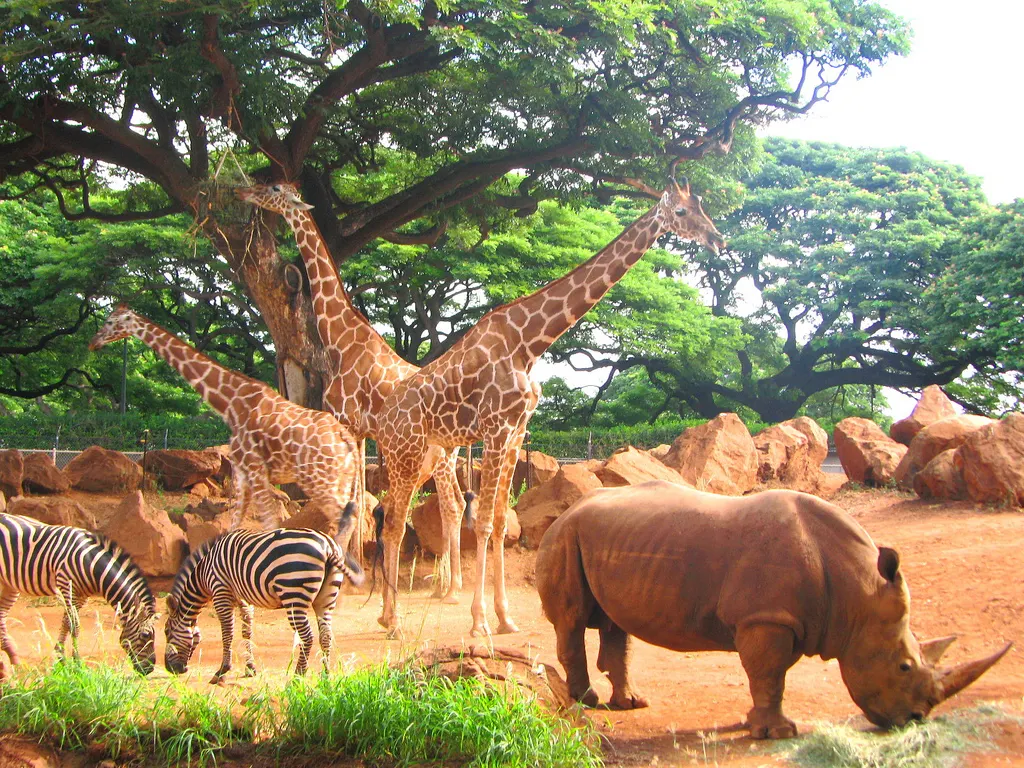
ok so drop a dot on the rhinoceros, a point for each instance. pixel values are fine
(774, 576)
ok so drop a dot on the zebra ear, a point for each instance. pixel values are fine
(172, 603)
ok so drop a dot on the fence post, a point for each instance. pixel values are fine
(166, 430)
(145, 445)
(529, 465)
(590, 445)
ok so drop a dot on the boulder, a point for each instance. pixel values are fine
(206, 520)
(629, 466)
(933, 439)
(868, 455)
(933, 406)
(790, 454)
(206, 489)
(940, 478)
(718, 456)
(176, 470)
(659, 452)
(53, 511)
(3, 502)
(426, 521)
(147, 534)
(223, 474)
(12, 472)
(99, 470)
(992, 462)
(539, 469)
(376, 478)
(539, 507)
(42, 475)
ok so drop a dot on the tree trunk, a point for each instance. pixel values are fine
(285, 306)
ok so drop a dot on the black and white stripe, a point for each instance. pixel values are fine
(74, 564)
(293, 569)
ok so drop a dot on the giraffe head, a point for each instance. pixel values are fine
(118, 326)
(680, 212)
(280, 198)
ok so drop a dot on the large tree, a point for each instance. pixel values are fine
(395, 117)
(837, 261)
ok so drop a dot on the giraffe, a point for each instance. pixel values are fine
(273, 440)
(481, 389)
(363, 368)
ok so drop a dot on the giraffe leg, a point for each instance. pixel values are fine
(224, 605)
(396, 509)
(299, 622)
(483, 526)
(240, 481)
(247, 617)
(452, 507)
(8, 597)
(511, 457)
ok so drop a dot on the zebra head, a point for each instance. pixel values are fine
(138, 634)
(182, 636)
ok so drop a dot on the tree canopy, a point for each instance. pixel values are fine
(398, 119)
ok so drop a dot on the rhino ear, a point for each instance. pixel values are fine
(932, 650)
(889, 564)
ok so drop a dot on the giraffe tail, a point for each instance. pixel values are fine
(378, 551)
(467, 516)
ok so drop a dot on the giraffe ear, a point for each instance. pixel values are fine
(684, 184)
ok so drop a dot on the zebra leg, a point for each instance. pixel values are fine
(77, 601)
(323, 625)
(247, 616)
(300, 623)
(224, 606)
(8, 597)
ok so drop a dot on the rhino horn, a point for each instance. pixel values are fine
(932, 650)
(954, 680)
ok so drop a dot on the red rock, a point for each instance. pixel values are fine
(426, 521)
(659, 452)
(629, 466)
(940, 478)
(12, 472)
(539, 507)
(539, 469)
(868, 455)
(817, 437)
(99, 470)
(790, 454)
(223, 474)
(147, 534)
(718, 456)
(176, 470)
(53, 511)
(932, 440)
(933, 406)
(992, 462)
(42, 475)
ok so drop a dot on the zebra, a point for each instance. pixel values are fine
(294, 569)
(74, 564)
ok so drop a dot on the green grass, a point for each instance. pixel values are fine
(381, 715)
(935, 743)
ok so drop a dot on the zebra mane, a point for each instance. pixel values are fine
(190, 563)
(123, 559)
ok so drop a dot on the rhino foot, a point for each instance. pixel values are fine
(588, 699)
(630, 700)
(770, 725)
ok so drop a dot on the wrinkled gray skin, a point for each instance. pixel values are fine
(774, 576)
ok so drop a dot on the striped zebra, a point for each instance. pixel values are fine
(294, 569)
(74, 564)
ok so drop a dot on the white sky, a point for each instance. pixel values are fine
(955, 97)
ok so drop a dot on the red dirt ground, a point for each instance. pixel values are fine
(963, 564)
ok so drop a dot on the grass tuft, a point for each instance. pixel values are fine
(932, 744)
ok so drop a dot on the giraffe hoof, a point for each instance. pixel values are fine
(507, 627)
(452, 598)
(480, 630)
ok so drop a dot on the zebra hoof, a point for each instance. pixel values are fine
(217, 680)
(250, 671)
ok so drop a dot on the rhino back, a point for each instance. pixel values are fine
(683, 569)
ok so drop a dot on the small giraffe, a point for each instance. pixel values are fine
(481, 389)
(272, 439)
(364, 369)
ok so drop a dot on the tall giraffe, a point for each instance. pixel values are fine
(481, 389)
(363, 368)
(273, 440)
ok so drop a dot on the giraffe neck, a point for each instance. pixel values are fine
(555, 308)
(335, 313)
(210, 379)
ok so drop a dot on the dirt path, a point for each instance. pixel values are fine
(964, 565)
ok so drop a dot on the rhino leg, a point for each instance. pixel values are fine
(767, 652)
(613, 659)
(572, 654)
